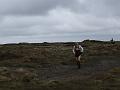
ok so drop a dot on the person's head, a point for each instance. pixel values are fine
(76, 44)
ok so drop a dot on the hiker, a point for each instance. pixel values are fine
(77, 51)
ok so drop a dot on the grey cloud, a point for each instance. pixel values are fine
(57, 20)
(103, 7)
(42, 7)
(33, 7)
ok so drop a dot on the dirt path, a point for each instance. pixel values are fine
(64, 72)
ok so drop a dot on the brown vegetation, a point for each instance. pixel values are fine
(50, 66)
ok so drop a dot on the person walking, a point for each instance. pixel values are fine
(77, 51)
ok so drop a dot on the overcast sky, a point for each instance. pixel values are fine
(58, 20)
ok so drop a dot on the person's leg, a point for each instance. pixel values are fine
(78, 61)
(79, 58)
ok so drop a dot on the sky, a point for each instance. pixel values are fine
(58, 20)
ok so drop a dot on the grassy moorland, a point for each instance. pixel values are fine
(51, 66)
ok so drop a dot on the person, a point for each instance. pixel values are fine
(77, 51)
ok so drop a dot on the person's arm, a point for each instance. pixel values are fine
(82, 49)
(74, 49)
